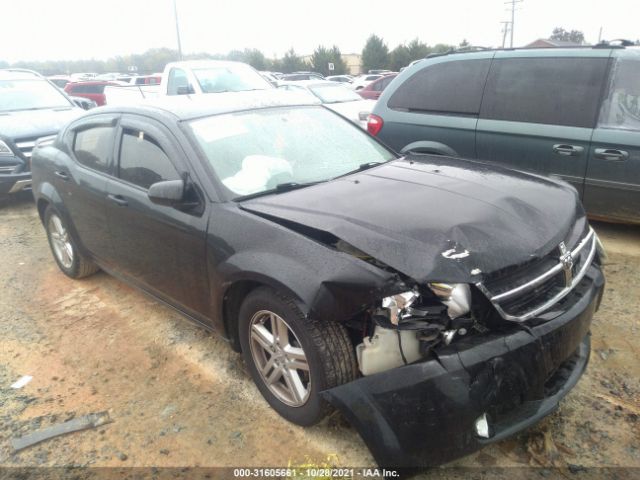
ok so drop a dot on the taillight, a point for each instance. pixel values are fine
(374, 124)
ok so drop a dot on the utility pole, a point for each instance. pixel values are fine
(175, 15)
(505, 29)
(513, 17)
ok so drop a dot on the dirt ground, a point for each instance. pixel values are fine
(180, 397)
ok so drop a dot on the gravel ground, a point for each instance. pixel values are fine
(180, 397)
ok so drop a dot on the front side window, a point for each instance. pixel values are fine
(621, 107)
(554, 91)
(453, 87)
(254, 151)
(142, 160)
(92, 147)
(28, 94)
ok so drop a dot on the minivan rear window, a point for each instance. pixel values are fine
(449, 87)
(550, 90)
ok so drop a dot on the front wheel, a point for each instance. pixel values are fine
(293, 358)
(65, 252)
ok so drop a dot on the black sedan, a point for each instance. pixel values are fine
(440, 303)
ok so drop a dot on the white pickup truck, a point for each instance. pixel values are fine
(194, 77)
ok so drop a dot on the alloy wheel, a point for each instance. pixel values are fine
(62, 247)
(279, 358)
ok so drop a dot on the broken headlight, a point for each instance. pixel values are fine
(456, 296)
(396, 304)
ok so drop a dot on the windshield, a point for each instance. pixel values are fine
(335, 93)
(254, 151)
(30, 95)
(230, 79)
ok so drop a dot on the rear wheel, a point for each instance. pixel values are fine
(293, 358)
(65, 252)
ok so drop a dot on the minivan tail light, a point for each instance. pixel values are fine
(374, 124)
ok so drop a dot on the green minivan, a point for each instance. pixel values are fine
(573, 113)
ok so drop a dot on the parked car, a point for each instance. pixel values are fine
(337, 97)
(92, 89)
(440, 303)
(375, 88)
(30, 108)
(573, 113)
(298, 76)
(340, 78)
(364, 80)
(380, 72)
(60, 81)
(154, 79)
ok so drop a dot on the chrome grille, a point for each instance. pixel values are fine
(549, 280)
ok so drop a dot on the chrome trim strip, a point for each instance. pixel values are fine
(20, 185)
(28, 144)
(560, 295)
(549, 273)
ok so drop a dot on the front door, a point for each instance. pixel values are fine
(160, 247)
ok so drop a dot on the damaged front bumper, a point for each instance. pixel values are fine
(424, 414)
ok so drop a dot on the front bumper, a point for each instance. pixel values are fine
(423, 414)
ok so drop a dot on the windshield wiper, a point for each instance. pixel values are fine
(361, 167)
(279, 188)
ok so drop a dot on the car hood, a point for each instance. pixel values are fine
(352, 110)
(436, 218)
(36, 123)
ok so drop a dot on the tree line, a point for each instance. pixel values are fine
(375, 55)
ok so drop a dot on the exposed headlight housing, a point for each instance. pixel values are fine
(456, 296)
(5, 150)
(397, 303)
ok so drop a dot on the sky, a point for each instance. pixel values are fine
(83, 29)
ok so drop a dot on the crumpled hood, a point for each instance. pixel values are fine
(36, 123)
(437, 218)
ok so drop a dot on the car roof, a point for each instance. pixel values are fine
(195, 64)
(187, 107)
(18, 74)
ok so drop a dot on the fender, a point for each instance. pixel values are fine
(428, 147)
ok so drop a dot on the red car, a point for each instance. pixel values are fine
(374, 89)
(93, 90)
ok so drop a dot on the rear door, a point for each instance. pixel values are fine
(612, 184)
(160, 247)
(436, 109)
(539, 110)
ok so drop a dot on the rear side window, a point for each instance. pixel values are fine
(621, 108)
(555, 91)
(92, 147)
(142, 160)
(449, 87)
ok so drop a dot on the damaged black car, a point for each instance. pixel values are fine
(441, 304)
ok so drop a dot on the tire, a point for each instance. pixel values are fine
(69, 258)
(325, 346)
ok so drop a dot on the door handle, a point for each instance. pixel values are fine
(118, 200)
(611, 154)
(568, 150)
(63, 175)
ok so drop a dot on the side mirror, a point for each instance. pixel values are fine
(84, 103)
(168, 193)
(185, 90)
